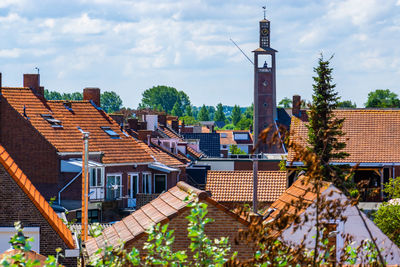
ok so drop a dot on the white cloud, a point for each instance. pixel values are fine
(10, 53)
(84, 25)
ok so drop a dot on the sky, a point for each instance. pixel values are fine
(128, 46)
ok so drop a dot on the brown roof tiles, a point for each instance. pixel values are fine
(371, 135)
(68, 138)
(38, 200)
(237, 186)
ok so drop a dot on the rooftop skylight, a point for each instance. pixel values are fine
(50, 119)
(110, 132)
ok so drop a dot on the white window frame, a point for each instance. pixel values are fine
(102, 171)
(144, 181)
(165, 177)
(130, 174)
(120, 184)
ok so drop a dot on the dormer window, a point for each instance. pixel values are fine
(110, 132)
(241, 136)
(50, 119)
(224, 135)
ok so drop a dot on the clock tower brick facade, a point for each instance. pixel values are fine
(265, 112)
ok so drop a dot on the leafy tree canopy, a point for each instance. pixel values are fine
(164, 97)
(203, 114)
(382, 99)
(110, 102)
(189, 120)
(176, 110)
(285, 103)
(236, 114)
(219, 114)
(244, 124)
(233, 149)
(346, 104)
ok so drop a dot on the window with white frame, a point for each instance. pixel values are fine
(160, 183)
(114, 186)
(146, 183)
(96, 177)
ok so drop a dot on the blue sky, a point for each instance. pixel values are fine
(128, 46)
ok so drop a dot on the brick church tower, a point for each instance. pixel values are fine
(265, 113)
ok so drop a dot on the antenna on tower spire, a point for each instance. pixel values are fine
(264, 10)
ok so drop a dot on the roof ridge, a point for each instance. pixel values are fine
(190, 189)
(38, 200)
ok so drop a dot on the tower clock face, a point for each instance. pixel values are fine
(264, 31)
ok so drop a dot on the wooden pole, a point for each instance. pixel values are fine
(85, 186)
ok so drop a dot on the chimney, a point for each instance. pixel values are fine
(1, 84)
(32, 81)
(162, 119)
(93, 94)
(296, 104)
(133, 124)
(175, 125)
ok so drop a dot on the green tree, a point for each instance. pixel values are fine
(233, 149)
(189, 120)
(188, 111)
(164, 96)
(244, 124)
(219, 114)
(110, 102)
(211, 112)
(387, 217)
(52, 95)
(236, 114)
(324, 128)
(176, 110)
(346, 104)
(203, 114)
(249, 112)
(285, 103)
(382, 99)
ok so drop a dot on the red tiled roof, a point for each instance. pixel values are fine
(168, 132)
(160, 210)
(34, 195)
(299, 190)
(371, 134)
(194, 153)
(69, 138)
(237, 186)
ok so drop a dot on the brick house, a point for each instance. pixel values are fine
(351, 221)
(21, 201)
(171, 208)
(235, 188)
(45, 139)
(371, 140)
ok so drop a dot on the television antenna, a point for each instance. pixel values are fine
(244, 54)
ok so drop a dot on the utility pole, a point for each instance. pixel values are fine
(85, 186)
(255, 182)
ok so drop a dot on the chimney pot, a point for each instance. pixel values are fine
(32, 81)
(296, 104)
(93, 94)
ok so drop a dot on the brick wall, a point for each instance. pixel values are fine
(15, 205)
(223, 226)
(143, 199)
(29, 149)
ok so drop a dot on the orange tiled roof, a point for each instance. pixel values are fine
(230, 140)
(160, 210)
(30, 255)
(164, 157)
(169, 132)
(371, 134)
(180, 156)
(298, 190)
(34, 195)
(69, 138)
(237, 186)
(194, 153)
